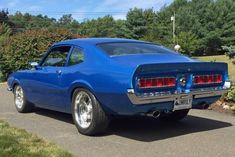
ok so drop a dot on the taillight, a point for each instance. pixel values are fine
(158, 82)
(207, 79)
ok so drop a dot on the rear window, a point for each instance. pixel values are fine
(117, 49)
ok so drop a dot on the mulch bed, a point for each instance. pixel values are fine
(222, 107)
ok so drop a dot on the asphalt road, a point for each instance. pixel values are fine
(201, 134)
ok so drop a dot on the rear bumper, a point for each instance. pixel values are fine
(152, 98)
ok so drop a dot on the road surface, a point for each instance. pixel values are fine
(202, 134)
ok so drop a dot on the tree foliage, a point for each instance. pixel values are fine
(188, 42)
(202, 28)
(5, 32)
(230, 52)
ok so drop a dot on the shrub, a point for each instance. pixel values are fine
(231, 94)
(1, 77)
(28, 46)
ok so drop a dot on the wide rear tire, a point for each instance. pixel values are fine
(88, 115)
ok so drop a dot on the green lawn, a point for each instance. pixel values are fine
(221, 58)
(18, 143)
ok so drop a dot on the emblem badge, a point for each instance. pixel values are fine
(183, 81)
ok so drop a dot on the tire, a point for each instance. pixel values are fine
(174, 116)
(88, 115)
(21, 103)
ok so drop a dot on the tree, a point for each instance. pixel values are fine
(230, 52)
(101, 27)
(226, 21)
(212, 23)
(5, 32)
(137, 23)
(27, 21)
(121, 30)
(4, 16)
(188, 42)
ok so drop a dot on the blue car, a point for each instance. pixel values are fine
(96, 79)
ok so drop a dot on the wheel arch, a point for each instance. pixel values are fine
(79, 84)
(87, 86)
(14, 83)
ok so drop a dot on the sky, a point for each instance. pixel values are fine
(80, 9)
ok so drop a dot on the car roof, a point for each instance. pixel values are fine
(95, 41)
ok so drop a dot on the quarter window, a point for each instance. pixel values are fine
(76, 56)
(57, 56)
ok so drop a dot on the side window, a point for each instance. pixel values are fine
(57, 56)
(76, 56)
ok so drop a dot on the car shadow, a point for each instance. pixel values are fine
(148, 129)
(55, 115)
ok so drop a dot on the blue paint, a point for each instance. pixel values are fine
(108, 78)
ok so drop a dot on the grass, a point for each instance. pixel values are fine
(221, 58)
(16, 142)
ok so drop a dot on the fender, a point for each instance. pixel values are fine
(74, 85)
(83, 84)
(12, 82)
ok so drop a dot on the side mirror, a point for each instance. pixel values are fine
(34, 64)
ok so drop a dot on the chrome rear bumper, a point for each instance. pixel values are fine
(152, 98)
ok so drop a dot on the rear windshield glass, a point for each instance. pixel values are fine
(117, 49)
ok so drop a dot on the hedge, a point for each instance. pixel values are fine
(18, 50)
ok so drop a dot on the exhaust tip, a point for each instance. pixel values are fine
(154, 114)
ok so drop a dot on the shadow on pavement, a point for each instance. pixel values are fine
(55, 115)
(148, 129)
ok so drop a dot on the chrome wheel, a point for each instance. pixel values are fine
(19, 97)
(83, 109)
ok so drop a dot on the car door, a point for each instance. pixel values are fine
(48, 89)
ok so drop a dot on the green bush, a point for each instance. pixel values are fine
(231, 94)
(1, 77)
(28, 46)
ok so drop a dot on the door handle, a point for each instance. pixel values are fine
(59, 72)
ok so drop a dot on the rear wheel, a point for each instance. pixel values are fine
(175, 116)
(21, 103)
(88, 116)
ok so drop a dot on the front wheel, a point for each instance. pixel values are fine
(21, 103)
(175, 115)
(88, 116)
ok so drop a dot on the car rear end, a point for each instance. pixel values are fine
(160, 79)
(178, 86)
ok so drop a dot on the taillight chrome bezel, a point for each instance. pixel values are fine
(157, 82)
(207, 79)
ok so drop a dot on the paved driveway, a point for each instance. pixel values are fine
(201, 134)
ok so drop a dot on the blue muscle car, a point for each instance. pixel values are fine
(95, 79)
